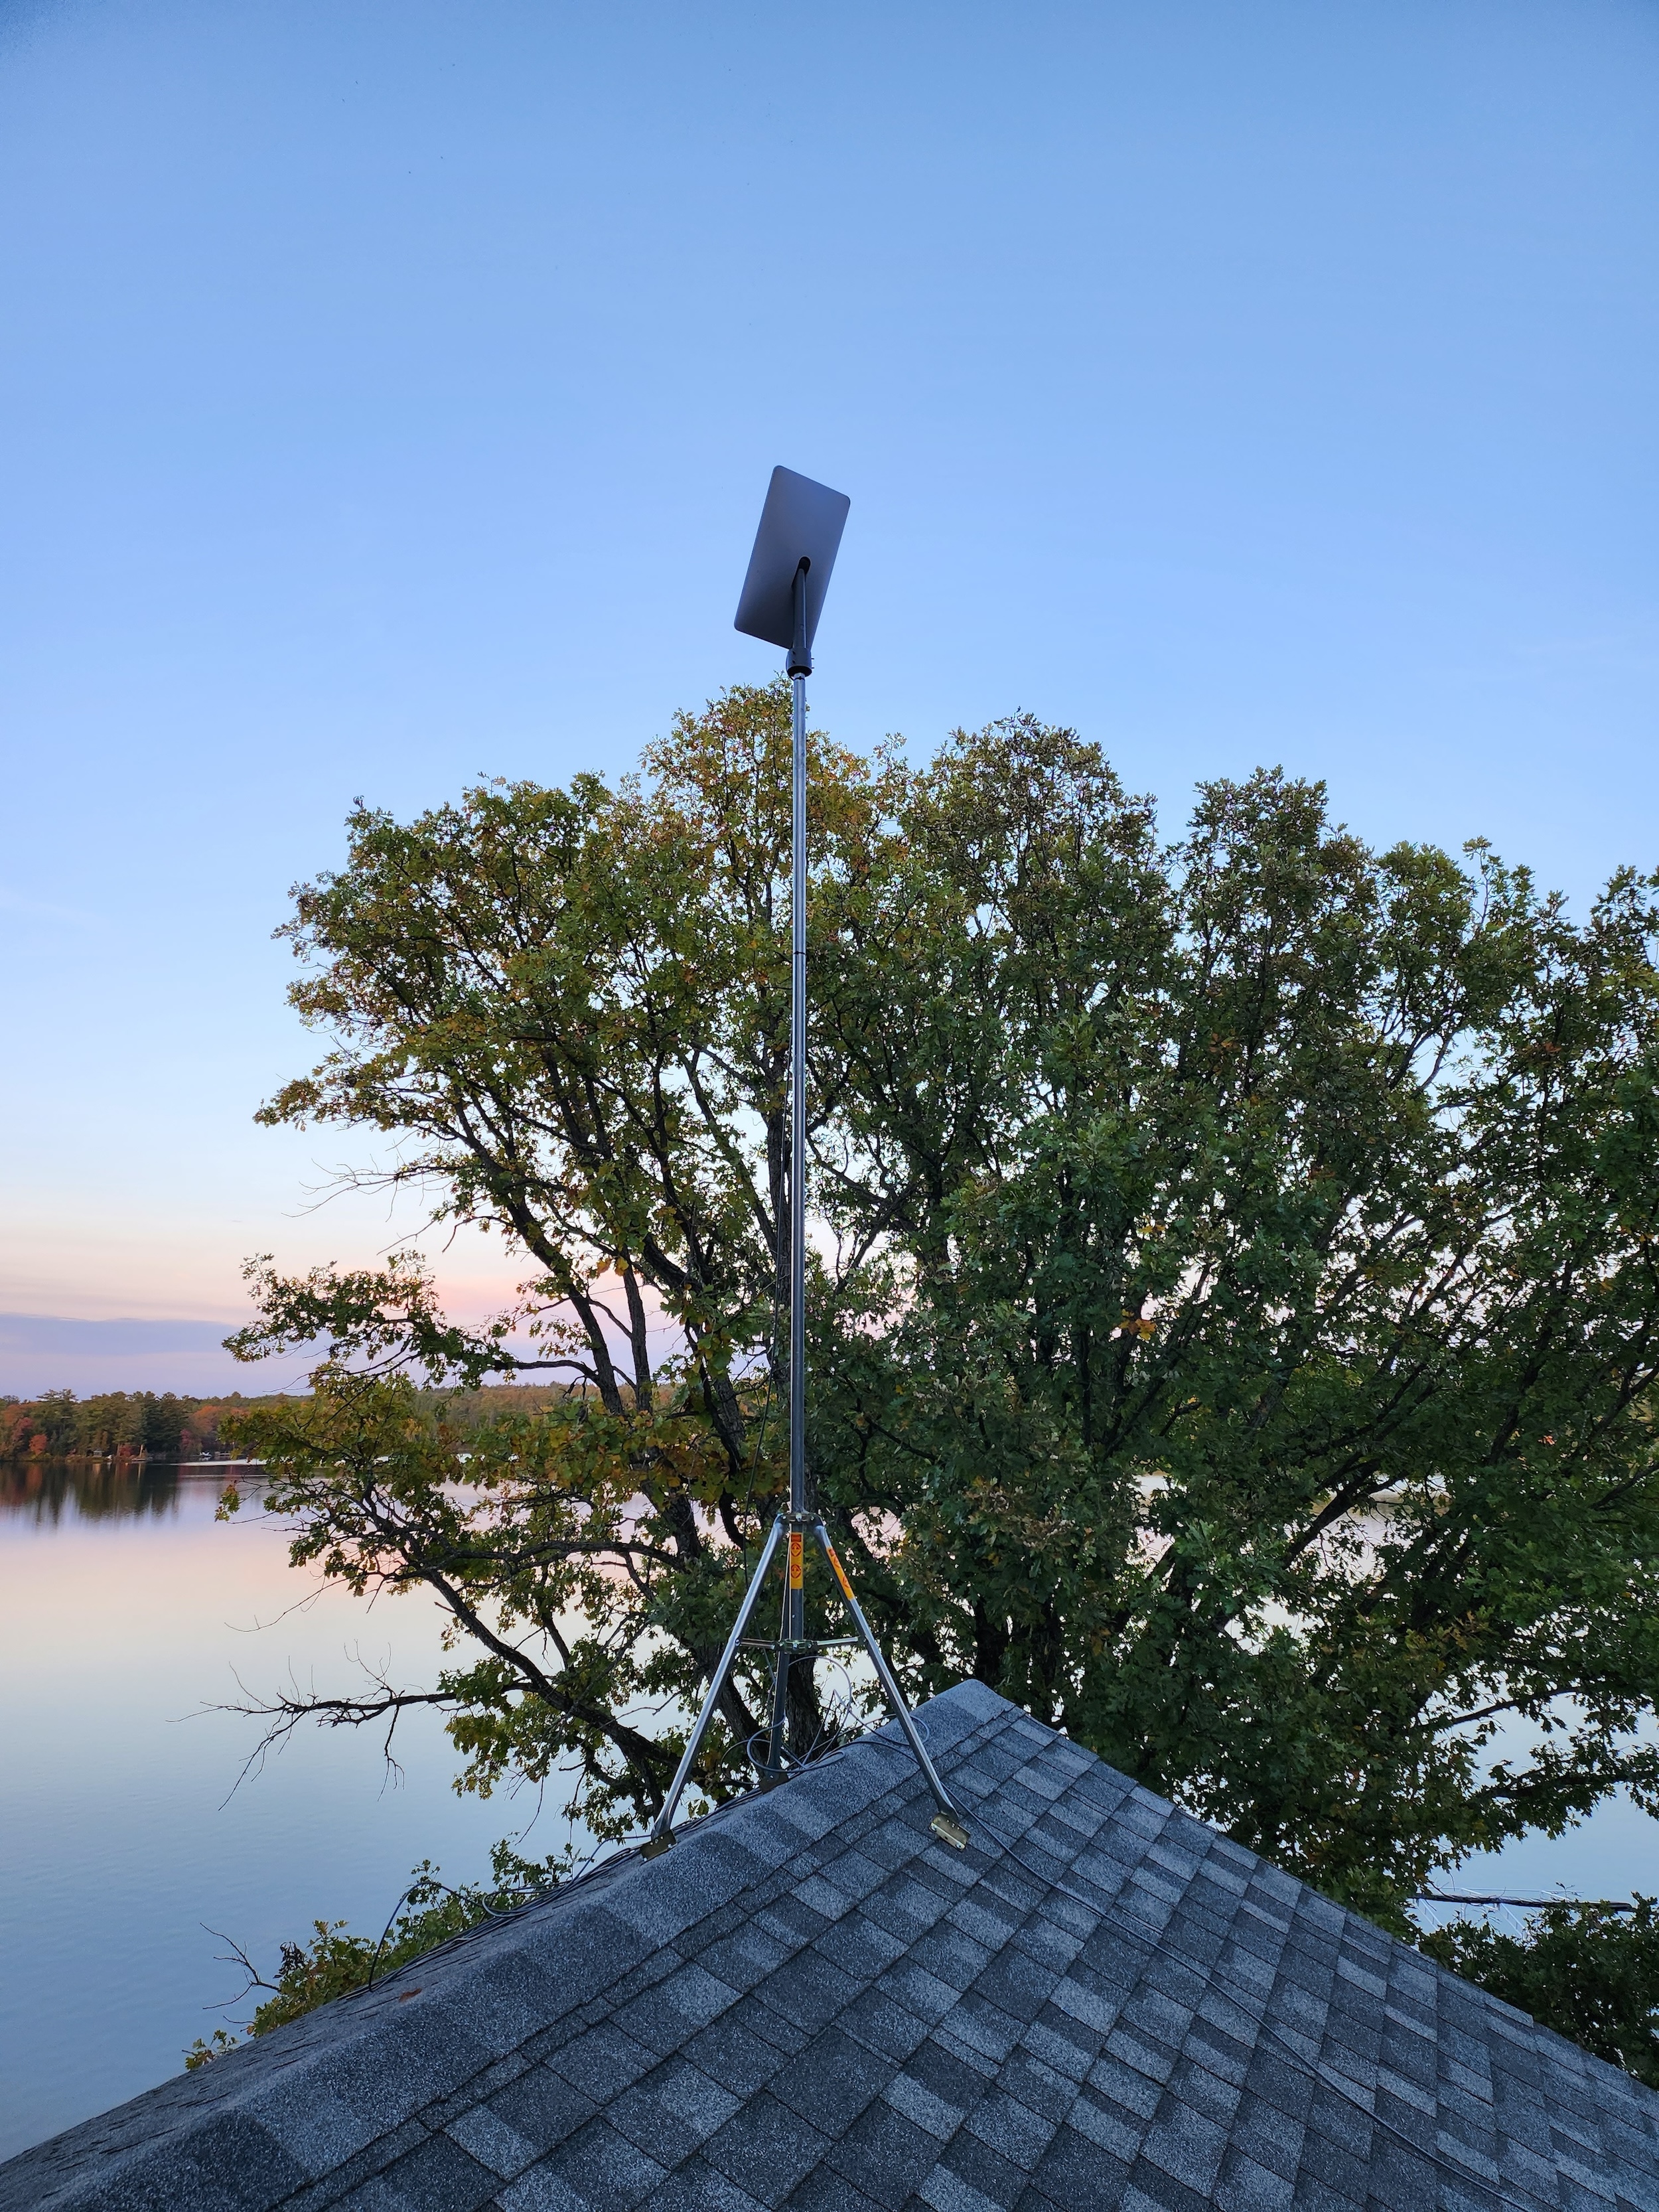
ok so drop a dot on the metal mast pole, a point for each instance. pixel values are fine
(800, 666)
(792, 1626)
(764, 618)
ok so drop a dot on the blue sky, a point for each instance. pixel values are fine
(389, 391)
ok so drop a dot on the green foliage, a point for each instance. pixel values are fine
(1586, 1970)
(117, 1424)
(160, 1425)
(203, 2052)
(335, 1962)
(1234, 1311)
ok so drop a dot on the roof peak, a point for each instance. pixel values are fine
(1101, 1988)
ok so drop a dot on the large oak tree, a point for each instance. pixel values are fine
(1235, 1303)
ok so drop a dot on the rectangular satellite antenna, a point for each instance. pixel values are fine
(801, 521)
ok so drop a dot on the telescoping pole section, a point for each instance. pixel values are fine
(791, 1629)
(760, 613)
(800, 668)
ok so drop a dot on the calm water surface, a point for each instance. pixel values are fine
(125, 1610)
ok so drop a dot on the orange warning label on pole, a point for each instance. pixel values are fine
(841, 1571)
(794, 1558)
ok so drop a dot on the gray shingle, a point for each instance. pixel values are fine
(697, 2187)
(1037, 2086)
(597, 2166)
(491, 2141)
(672, 2111)
(833, 2080)
(1012, 2129)
(766, 2149)
(936, 2089)
(602, 2063)
(880, 2021)
(993, 2180)
(441, 2177)
(825, 2191)
(734, 2057)
(859, 1948)
(809, 1992)
(813, 2002)
(743, 1958)
(978, 2026)
(884, 2154)
(1078, 2169)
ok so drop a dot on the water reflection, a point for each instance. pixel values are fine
(47, 1490)
(128, 1617)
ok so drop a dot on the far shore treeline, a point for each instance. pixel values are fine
(152, 1424)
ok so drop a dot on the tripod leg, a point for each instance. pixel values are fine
(662, 1828)
(947, 1821)
(772, 1771)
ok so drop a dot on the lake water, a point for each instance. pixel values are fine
(125, 1610)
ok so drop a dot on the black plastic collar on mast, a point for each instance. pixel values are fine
(800, 651)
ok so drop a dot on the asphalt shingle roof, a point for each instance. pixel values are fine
(811, 2002)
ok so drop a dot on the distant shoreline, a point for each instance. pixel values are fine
(200, 1466)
